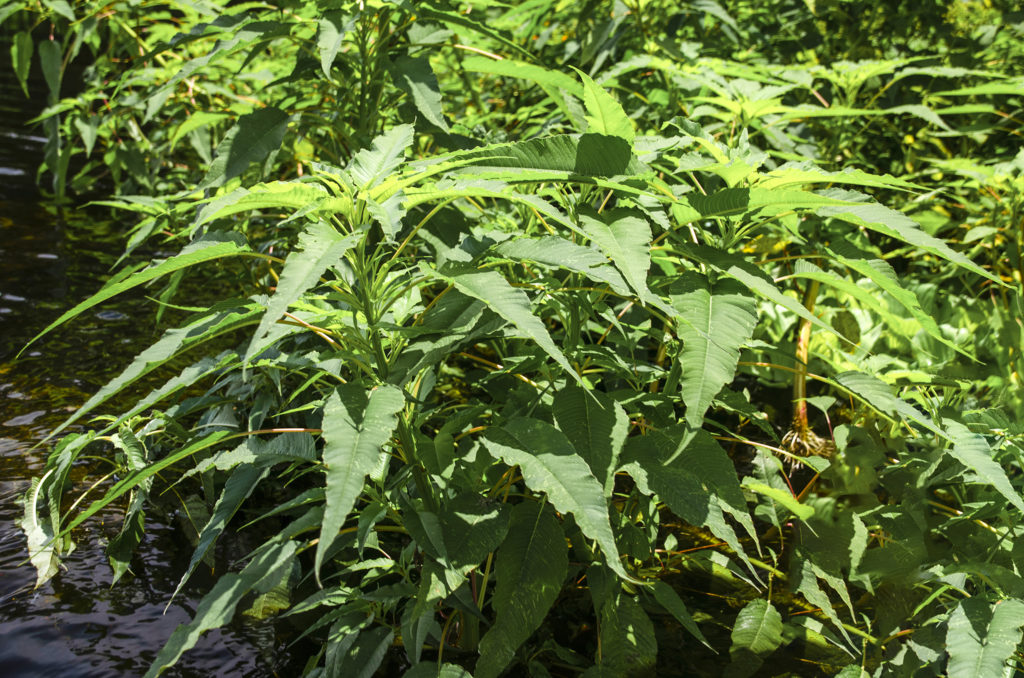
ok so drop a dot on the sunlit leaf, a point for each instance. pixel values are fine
(719, 320)
(356, 427)
(982, 637)
(551, 465)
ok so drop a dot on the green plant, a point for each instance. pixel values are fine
(533, 352)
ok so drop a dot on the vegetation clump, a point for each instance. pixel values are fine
(605, 338)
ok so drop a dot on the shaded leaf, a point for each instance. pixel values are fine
(253, 138)
(237, 488)
(628, 645)
(670, 600)
(21, 58)
(218, 606)
(331, 30)
(415, 76)
(596, 426)
(758, 628)
(530, 569)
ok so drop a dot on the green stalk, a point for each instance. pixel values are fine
(803, 343)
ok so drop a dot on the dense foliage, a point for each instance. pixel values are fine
(601, 338)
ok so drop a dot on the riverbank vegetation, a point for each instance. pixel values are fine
(567, 338)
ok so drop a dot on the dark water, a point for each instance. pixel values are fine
(77, 625)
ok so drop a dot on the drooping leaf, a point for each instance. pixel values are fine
(218, 606)
(550, 465)
(973, 451)
(562, 157)
(879, 395)
(237, 488)
(805, 173)
(670, 600)
(982, 637)
(689, 471)
(137, 478)
(805, 582)
(209, 247)
(192, 374)
(734, 202)
(521, 69)
(656, 463)
(21, 58)
(39, 533)
(719, 320)
(463, 20)
(221, 319)
(511, 304)
(882, 274)
(559, 252)
(897, 225)
(122, 547)
(512, 68)
(755, 280)
(530, 569)
(356, 427)
(50, 58)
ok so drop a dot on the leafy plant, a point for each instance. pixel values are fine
(528, 303)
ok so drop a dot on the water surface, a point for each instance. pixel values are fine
(77, 625)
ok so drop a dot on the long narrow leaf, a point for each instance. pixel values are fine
(210, 247)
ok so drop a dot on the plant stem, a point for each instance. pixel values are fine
(803, 343)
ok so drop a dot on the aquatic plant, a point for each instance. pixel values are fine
(547, 305)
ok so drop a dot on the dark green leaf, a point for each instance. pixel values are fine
(253, 138)
(218, 606)
(530, 569)
(415, 76)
